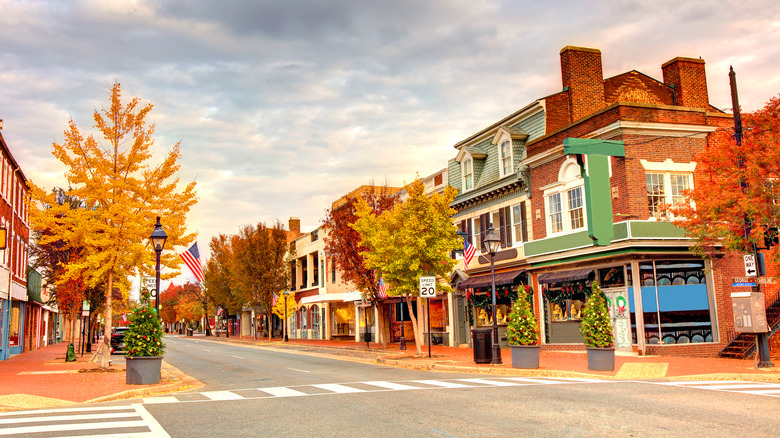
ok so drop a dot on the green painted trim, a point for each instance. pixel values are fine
(655, 229)
(559, 243)
(643, 250)
(592, 146)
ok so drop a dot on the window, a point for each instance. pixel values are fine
(666, 181)
(477, 235)
(332, 272)
(468, 174)
(565, 201)
(506, 158)
(520, 223)
(575, 208)
(556, 218)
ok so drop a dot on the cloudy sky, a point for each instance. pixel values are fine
(284, 106)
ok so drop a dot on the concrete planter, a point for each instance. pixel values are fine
(601, 359)
(143, 370)
(525, 356)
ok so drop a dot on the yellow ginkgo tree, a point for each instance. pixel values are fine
(412, 240)
(123, 189)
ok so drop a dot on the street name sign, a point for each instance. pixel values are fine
(750, 265)
(427, 287)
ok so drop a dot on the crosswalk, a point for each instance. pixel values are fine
(104, 421)
(755, 388)
(358, 387)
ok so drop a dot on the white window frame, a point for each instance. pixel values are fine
(468, 161)
(569, 178)
(666, 169)
(517, 238)
(503, 138)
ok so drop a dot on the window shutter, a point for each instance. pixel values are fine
(523, 222)
(484, 224)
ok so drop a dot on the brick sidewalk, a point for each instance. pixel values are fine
(42, 378)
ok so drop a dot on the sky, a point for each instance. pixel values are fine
(282, 107)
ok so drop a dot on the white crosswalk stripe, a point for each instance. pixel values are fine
(362, 387)
(102, 421)
(756, 388)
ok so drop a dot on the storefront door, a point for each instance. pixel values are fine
(617, 301)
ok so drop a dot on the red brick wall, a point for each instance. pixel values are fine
(581, 72)
(556, 112)
(688, 77)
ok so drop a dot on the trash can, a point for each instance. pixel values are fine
(482, 345)
(189, 332)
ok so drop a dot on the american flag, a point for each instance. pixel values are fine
(468, 252)
(191, 258)
(382, 289)
(274, 300)
(219, 311)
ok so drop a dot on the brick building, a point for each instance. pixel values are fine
(578, 200)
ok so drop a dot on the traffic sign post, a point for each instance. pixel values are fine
(428, 290)
(750, 265)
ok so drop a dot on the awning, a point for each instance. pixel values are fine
(502, 278)
(330, 298)
(557, 277)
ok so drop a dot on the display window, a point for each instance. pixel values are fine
(676, 305)
(15, 328)
(343, 318)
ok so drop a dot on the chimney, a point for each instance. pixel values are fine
(689, 81)
(295, 225)
(583, 80)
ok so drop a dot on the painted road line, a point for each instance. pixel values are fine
(537, 381)
(490, 382)
(159, 400)
(282, 391)
(67, 417)
(151, 423)
(71, 427)
(65, 410)
(222, 395)
(740, 386)
(390, 385)
(443, 383)
(698, 382)
(50, 372)
(338, 389)
(300, 371)
(237, 357)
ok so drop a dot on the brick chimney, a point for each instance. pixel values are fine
(295, 225)
(581, 73)
(689, 80)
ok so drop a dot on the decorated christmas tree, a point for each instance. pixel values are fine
(522, 328)
(144, 333)
(596, 327)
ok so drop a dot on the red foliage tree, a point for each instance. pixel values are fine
(342, 243)
(737, 187)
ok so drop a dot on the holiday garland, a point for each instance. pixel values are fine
(596, 327)
(144, 333)
(522, 328)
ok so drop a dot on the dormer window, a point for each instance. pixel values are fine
(506, 157)
(468, 174)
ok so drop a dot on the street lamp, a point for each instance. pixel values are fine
(284, 323)
(158, 239)
(492, 242)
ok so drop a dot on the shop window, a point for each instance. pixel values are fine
(15, 327)
(438, 315)
(612, 277)
(343, 318)
(303, 318)
(675, 302)
(402, 308)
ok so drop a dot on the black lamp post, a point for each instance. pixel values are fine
(284, 323)
(492, 242)
(158, 239)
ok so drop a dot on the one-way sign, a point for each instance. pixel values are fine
(750, 265)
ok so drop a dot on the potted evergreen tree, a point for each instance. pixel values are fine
(523, 332)
(597, 330)
(144, 345)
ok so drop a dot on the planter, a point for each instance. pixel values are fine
(525, 356)
(601, 359)
(143, 370)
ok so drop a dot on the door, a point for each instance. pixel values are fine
(617, 302)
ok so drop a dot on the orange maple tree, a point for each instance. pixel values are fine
(735, 202)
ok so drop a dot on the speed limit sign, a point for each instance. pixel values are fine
(427, 286)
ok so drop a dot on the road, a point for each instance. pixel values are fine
(252, 391)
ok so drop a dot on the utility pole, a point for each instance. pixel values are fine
(762, 339)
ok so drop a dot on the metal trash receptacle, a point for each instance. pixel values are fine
(482, 345)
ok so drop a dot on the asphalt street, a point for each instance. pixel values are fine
(254, 391)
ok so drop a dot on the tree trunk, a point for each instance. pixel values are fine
(414, 323)
(382, 324)
(104, 351)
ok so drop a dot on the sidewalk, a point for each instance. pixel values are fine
(42, 378)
